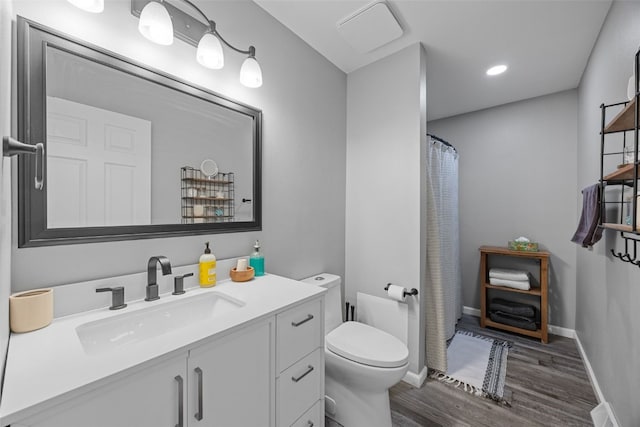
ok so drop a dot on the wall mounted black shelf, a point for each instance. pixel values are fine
(626, 122)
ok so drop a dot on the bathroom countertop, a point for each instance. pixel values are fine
(49, 366)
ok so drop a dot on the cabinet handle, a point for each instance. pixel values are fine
(307, 372)
(296, 324)
(199, 415)
(180, 400)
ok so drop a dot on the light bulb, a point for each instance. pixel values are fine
(498, 69)
(155, 24)
(93, 6)
(250, 73)
(209, 53)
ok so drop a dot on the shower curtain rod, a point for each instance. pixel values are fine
(437, 138)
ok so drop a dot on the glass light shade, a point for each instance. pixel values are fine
(155, 24)
(250, 73)
(93, 6)
(210, 53)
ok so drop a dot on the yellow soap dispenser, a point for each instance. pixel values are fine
(207, 268)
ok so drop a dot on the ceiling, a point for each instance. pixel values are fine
(545, 43)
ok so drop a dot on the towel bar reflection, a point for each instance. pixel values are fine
(13, 147)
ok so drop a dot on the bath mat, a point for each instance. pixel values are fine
(477, 364)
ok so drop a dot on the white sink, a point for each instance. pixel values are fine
(131, 327)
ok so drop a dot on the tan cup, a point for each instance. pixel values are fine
(30, 310)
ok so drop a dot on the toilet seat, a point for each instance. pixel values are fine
(367, 345)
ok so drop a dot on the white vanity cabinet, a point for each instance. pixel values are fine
(262, 365)
(152, 397)
(231, 380)
(300, 359)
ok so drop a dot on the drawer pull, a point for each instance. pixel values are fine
(296, 324)
(198, 415)
(310, 423)
(180, 400)
(307, 372)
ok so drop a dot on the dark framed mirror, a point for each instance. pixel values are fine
(130, 152)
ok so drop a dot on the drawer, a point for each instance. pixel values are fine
(299, 387)
(311, 418)
(299, 332)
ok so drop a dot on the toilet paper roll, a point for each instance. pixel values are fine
(241, 264)
(396, 292)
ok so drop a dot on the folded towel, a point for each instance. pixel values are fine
(512, 307)
(507, 274)
(516, 284)
(511, 320)
(588, 232)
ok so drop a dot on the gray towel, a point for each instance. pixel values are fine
(513, 320)
(512, 307)
(588, 232)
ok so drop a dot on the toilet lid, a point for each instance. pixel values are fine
(367, 345)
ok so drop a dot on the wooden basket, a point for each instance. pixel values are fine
(242, 276)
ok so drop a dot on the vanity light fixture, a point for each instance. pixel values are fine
(93, 6)
(158, 26)
(495, 70)
(157, 18)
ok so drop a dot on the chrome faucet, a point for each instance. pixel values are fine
(152, 286)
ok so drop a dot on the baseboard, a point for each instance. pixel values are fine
(560, 331)
(594, 382)
(553, 329)
(471, 311)
(414, 379)
(590, 373)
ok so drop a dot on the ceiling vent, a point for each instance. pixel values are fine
(370, 27)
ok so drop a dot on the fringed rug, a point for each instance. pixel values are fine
(477, 364)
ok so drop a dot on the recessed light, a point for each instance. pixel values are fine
(495, 70)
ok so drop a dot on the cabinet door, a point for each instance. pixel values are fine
(232, 380)
(149, 398)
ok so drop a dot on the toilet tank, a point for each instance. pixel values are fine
(333, 298)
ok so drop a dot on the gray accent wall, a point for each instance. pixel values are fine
(303, 100)
(518, 178)
(608, 290)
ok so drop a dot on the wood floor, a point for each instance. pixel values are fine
(546, 385)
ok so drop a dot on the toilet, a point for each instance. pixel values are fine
(361, 364)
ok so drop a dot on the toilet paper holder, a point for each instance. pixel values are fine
(413, 291)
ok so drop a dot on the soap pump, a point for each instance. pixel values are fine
(256, 260)
(207, 268)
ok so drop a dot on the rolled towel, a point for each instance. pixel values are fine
(507, 274)
(516, 284)
(511, 320)
(512, 307)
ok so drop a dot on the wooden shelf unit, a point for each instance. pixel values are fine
(624, 120)
(542, 292)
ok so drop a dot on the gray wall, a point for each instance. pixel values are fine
(608, 290)
(518, 178)
(303, 100)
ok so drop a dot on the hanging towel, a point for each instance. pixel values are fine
(508, 274)
(588, 232)
(516, 284)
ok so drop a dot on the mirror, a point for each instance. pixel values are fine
(130, 152)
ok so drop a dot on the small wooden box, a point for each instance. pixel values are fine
(242, 276)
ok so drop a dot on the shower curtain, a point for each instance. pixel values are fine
(443, 282)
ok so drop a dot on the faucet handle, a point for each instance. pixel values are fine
(178, 284)
(117, 298)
